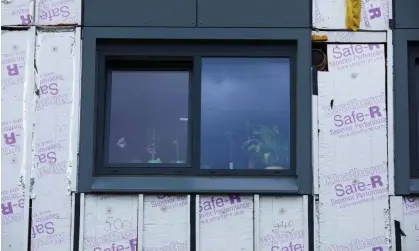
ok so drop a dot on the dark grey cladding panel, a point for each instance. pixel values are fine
(406, 13)
(252, 13)
(140, 13)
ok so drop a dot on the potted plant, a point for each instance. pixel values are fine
(265, 143)
(151, 147)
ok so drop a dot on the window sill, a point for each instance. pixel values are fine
(141, 184)
(414, 186)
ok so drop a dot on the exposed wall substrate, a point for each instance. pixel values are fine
(162, 222)
(57, 59)
(354, 209)
(40, 85)
(356, 203)
(353, 150)
(17, 84)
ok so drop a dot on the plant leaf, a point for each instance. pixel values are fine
(266, 157)
(251, 148)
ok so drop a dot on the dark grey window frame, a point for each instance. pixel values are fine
(215, 181)
(413, 64)
(405, 151)
(181, 55)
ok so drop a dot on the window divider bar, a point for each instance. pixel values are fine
(100, 112)
(414, 85)
(195, 104)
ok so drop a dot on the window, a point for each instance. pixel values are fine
(200, 117)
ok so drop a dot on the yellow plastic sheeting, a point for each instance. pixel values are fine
(353, 14)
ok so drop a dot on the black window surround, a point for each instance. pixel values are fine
(406, 67)
(414, 107)
(188, 46)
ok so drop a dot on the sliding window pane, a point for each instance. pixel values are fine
(245, 120)
(148, 117)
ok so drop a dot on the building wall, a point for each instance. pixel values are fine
(354, 203)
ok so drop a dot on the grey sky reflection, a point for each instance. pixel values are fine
(237, 92)
(141, 101)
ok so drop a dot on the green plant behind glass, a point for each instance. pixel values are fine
(266, 143)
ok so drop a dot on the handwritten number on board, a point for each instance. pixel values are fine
(116, 224)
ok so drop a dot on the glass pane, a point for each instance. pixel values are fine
(245, 113)
(415, 71)
(148, 117)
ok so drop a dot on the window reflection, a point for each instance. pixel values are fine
(148, 117)
(245, 120)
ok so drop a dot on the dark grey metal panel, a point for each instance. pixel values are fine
(145, 13)
(303, 184)
(251, 13)
(414, 186)
(304, 90)
(87, 122)
(94, 33)
(279, 185)
(406, 13)
(403, 183)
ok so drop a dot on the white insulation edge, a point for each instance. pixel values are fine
(47, 12)
(353, 37)
(17, 12)
(315, 144)
(390, 110)
(406, 211)
(75, 115)
(17, 85)
(330, 14)
(54, 12)
(56, 83)
(28, 119)
(353, 187)
(163, 222)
